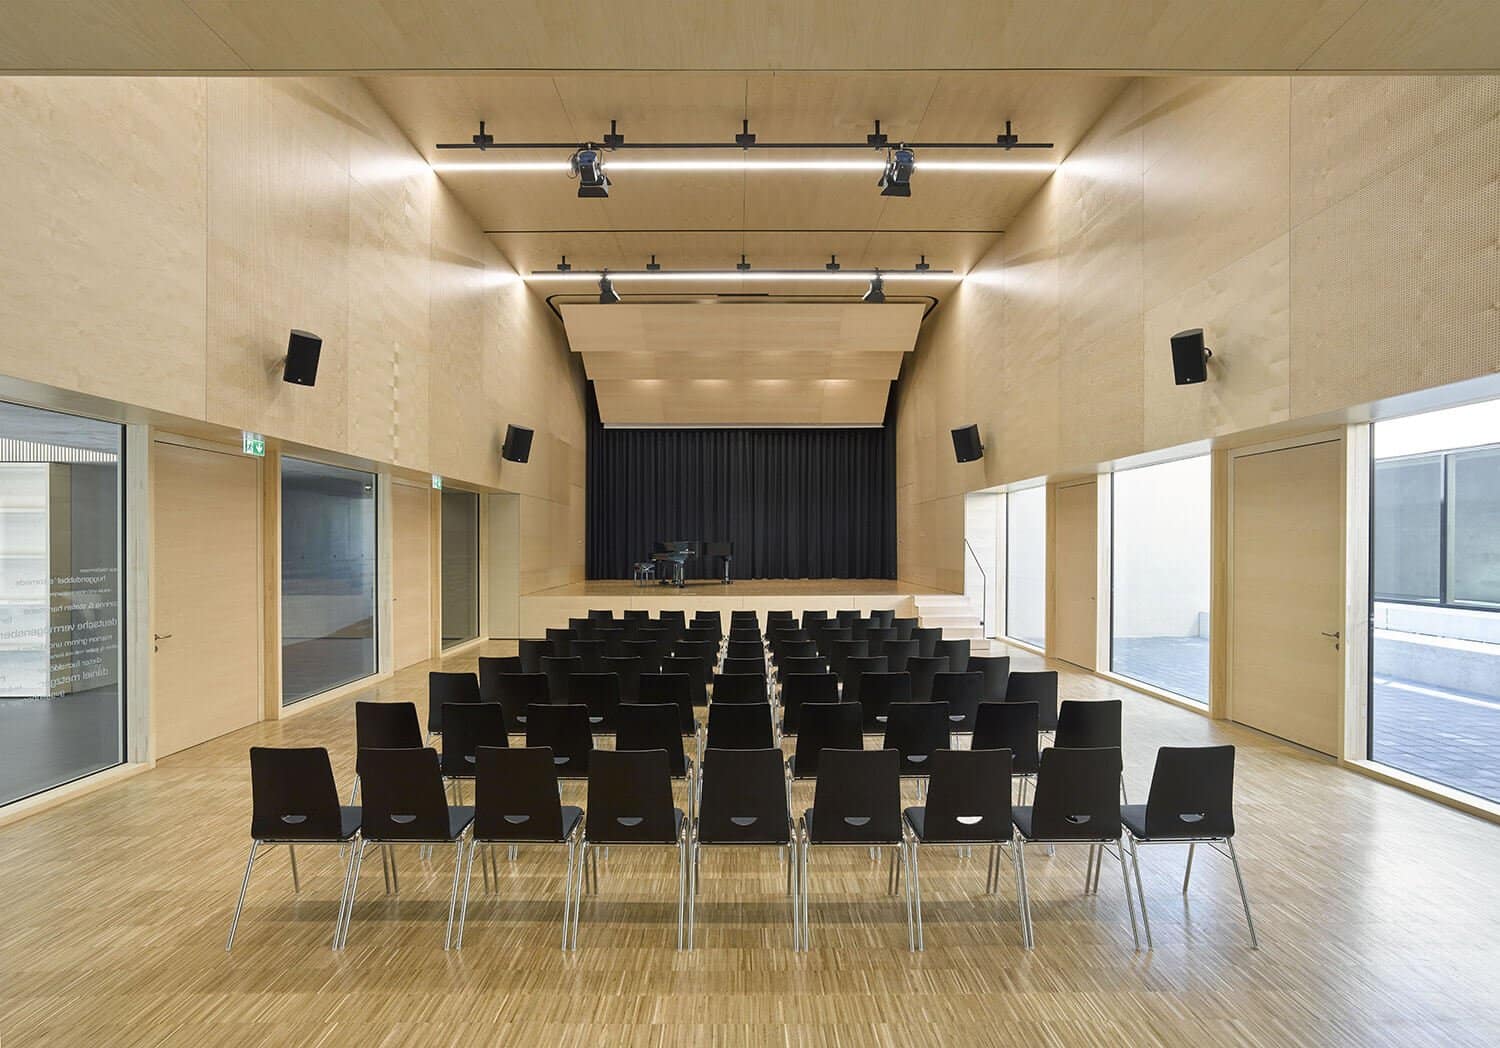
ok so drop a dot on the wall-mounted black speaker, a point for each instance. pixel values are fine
(1190, 357)
(966, 444)
(302, 352)
(517, 446)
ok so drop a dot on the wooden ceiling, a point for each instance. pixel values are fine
(374, 36)
(742, 363)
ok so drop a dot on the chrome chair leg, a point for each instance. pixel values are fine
(1244, 897)
(385, 867)
(914, 887)
(794, 890)
(463, 907)
(234, 921)
(458, 867)
(1135, 861)
(1023, 894)
(358, 858)
(692, 894)
(291, 850)
(1187, 874)
(683, 862)
(338, 921)
(1135, 930)
(568, 891)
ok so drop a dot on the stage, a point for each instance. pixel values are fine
(553, 607)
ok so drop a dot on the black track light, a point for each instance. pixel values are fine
(922, 265)
(832, 265)
(896, 180)
(563, 267)
(742, 265)
(876, 293)
(653, 266)
(587, 165)
(608, 296)
(613, 140)
(876, 140)
(744, 139)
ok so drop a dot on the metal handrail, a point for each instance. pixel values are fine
(984, 600)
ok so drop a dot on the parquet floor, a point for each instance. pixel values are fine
(1377, 911)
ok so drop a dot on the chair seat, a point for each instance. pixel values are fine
(917, 817)
(459, 818)
(571, 816)
(349, 820)
(767, 832)
(678, 815)
(1134, 818)
(807, 819)
(1021, 815)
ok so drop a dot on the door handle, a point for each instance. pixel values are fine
(1335, 636)
(156, 638)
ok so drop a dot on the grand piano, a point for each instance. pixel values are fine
(671, 557)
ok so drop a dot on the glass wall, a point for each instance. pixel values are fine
(1026, 565)
(1435, 609)
(62, 701)
(460, 567)
(328, 569)
(1160, 564)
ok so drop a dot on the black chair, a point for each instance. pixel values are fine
(828, 635)
(743, 615)
(583, 628)
(520, 690)
(839, 653)
(743, 805)
(917, 730)
(601, 615)
(773, 617)
(746, 649)
(469, 725)
(1090, 725)
(846, 616)
(800, 689)
(1191, 802)
(812, 618)
(491, 670)
(384, 726)
(856, 803)
(532, 652)
(654, 727)
(566, 732)
(739, 687)
(903, 627)
(702, 633)
(957, 650)
(927, 640)
(883, 618)
(591, 653)
(630, 804)
(674, 616)
(793, 649)
(1077, 802)
(968, 802)
(515, 802)
(697, 672)
(898, 653)
(825, 725)
(740, 726)
(648, 651)
(675, 689)
(613, 638)
(877, 637)
(860, 628)
(963, 693)
(600, 692)
(996, 672)
(800, 664)
(1009, 726)
(636, 615)
(405, 804)
(705, 651)
(629, 669)
(561, 642)
(443, 688)
(856, 669)
(877, 693)
(923, 669)
(713, 618)
(755, 666)
(1040, 687)
(558, 670)
(745, 635)
(295, 801)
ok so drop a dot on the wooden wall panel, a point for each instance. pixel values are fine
(1072, 632)
(411, 574)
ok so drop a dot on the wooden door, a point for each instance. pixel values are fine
(206, 595)
(1286, 592)
(411, 574)
(1075, 616)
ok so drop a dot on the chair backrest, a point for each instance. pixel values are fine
(846, 616)
(745, 649)
(1088, 724)
(386, 726)
(755, 666)
(705, 651)
(532, 652)
(794, 664)
(630, 798)
(515, 795)
(652, 727)
(739, 687)
(857, 799)
(826, 725)
(883, 617)
(558, 669)
(743, 615)
(674, 615)
(1040, 687)
(923, 668)
(600, 692)
(1077, 795)
(793, 649)
(898, 653)
(592, 653)
(744, 634)
(877, 637)
(402, 796)
(636, 615)
(673, 688)
(860, 628)
(561, 641)
(520, 690)
(601, 615)
(293, 793)
(740, 726)
(583, 629)
(811, 619)
(1192, 792)
(968, 797)
(443, 688)
(829, 634)
(696, 670)
(957, 650)
(565, 730)
(927, 640)
(779, 616)
(648, 651)
(856, 669)
(903, 628)
(703, 633)
(963, 693)
(1008, 726)
(629, 669)
(490, 671)
(713, 618)
(877, 691)
(466, 727)
(744, 798)
(995, 669)
(613, 638)
(800, 689)
(839, 652)
(917, 730)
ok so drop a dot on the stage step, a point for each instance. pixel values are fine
(955, 615)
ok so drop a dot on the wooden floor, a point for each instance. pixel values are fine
(1378, 914)
(738, 588)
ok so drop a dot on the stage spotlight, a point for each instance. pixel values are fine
(608, 296)
(587, 165)
(896, 181)
(877, 290)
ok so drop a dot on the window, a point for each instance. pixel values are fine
(328, 558)
(1026, 565)
(62, 699)
(1160, 563)
(460, 567)
(1435, 607)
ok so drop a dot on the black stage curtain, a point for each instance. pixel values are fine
(796, 503)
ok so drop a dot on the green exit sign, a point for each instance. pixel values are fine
(437, 482)
(254, 444)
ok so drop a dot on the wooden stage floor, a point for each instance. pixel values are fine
(738, 588)
(1377, 915)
